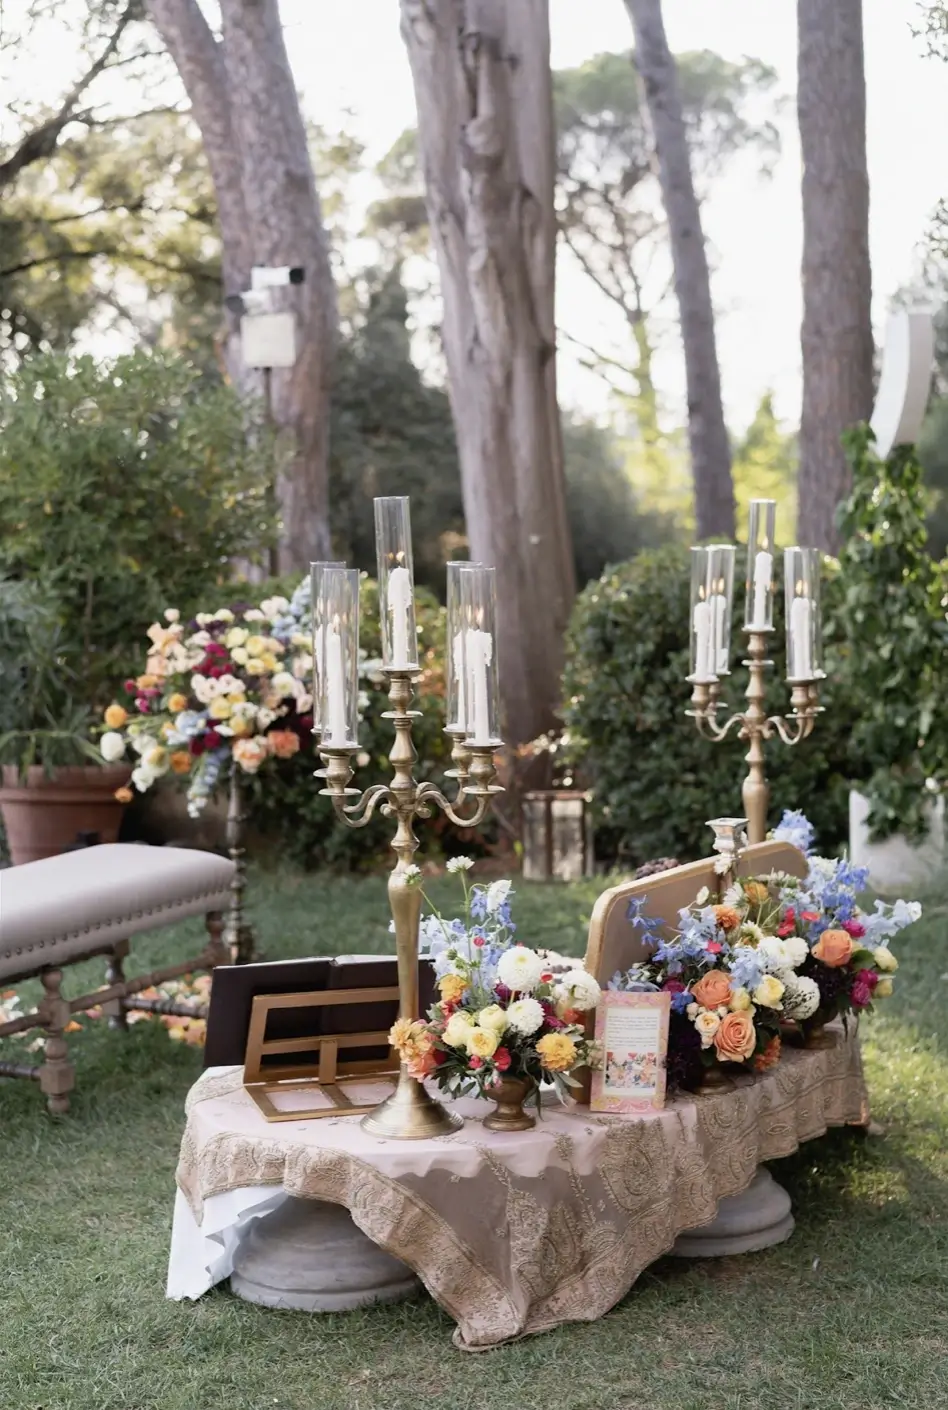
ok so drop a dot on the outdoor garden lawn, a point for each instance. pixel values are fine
(851, 1313)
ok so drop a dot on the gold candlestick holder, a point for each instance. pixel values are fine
(410, 1113)
(755, 725)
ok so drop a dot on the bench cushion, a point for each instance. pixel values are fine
(57, 910)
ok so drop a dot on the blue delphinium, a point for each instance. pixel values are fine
(794, 827)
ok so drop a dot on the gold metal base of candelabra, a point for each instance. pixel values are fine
(410, 1114)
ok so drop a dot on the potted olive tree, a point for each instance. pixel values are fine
(123, 486)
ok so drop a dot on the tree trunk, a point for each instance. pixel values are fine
(244, 102)
(485, 119)
(707, 433)
(837, 282)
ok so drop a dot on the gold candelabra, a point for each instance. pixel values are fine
(755, 725)
(410, 1113)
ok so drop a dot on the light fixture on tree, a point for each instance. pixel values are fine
(410, 1113)
(712, 589)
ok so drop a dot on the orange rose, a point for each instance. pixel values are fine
(735, 1038)
(180, 761)
(284, 743)
(756, 892)
(834, 948)
(123, 795)
(713, 990)
(727, 917)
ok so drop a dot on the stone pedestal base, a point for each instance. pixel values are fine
(308, 1256)
(755, 1219)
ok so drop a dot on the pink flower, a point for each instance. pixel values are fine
(854, 928)
(142, 705)
(861, 996)
(502, 1059)
(867, 977)
(475, 1063)
(130, 687)
(478, 941)
(810, 916)
(714, 947)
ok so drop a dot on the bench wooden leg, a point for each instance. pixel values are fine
(115, 974)
(57, 1076)
(217, 952)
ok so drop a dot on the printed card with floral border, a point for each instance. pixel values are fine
(632, 1038)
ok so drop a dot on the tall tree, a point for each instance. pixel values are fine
(707, 433)
(244, 101)
(481, 71)
(836, 336)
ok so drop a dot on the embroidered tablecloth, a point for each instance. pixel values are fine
(514, 1234)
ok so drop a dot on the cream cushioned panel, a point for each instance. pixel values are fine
(56, 910)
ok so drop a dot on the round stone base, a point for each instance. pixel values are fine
(757, 1218)
(309, 1256)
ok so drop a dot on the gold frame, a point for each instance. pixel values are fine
(260, 1083)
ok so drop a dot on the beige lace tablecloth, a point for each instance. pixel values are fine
(514, 1234)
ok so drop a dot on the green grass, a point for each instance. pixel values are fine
(850, 1314)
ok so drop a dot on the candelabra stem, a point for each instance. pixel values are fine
(755, 791)
(238, 934)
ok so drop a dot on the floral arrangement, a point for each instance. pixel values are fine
(775, 949)
(229, 689)
(502, 1012)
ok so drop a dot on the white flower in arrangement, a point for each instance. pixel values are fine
(773, 955)
(578, 990)
(796, 949)
(493, 1018)
(707, 1024)
(303, 666)
(751, 934)
(202, 687)
(111, 746)
(143, 778)
(265, 717)
(202, 619)
(141, 743)
(692, 1011)
(769, 992)
(733, 896)
(723, 863)
(198, 639)
(520, 969)
(299, 639)
(236, 637)
(905, 912)
(525, 1016)
(411, 875)
(273, 607)
(304, 702)
(283, 684)
(497, 893)
(362, 758)
(223, 614)
(253, 614)
(456, 864)
(240, 655)
(172, 614)
(883, 956)
(703, 897)
(458, 1027)
(801, 997)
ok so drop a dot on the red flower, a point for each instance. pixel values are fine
(212, 740)
(713, 947)
(478, 941)
(502, 1059)
(853, 928)
(131, 687)
(863, 985)
(546, 977)
(475, 1063)
(867, 977)
(810, 915)
(673, 986)
(198, 744)
(214, 648)
(789, 923)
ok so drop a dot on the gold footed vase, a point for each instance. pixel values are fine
(509, 1094)
(816, 1037)
(711, 1078)
(410, 1114)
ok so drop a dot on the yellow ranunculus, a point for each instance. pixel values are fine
(740, 1000)
(883, 989)
(269, 661)
(115, 716)
(237, 697)
(241, 726)
(493, 1018)
(236, 637)
(769, 992)
(240, 655)
(885, 960)
(177, 703)
(557, 1052)
(156, 757)
(457, 1028)
(255, 667)
(256, 645)
(481, 1042)
(451, 987)
(219, 708)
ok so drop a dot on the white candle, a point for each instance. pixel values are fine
(458, 656)
(480, 651)
(720, 650)
(701, 621)
(336, 731)
(801, 619)
(763, 574)
(399, 602)
(318, 637)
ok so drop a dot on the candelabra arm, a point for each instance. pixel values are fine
(360, 813)
(430, 793)
(710, 729)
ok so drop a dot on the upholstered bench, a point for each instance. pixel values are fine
(89, 902)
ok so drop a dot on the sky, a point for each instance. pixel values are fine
(351, 66)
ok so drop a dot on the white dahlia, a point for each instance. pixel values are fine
(520, 969)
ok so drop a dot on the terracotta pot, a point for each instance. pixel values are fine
(43, 815)
(510, 1093)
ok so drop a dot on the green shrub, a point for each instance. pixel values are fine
(125, 486)
(287, 807)
(656, 781)
(892, 619)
